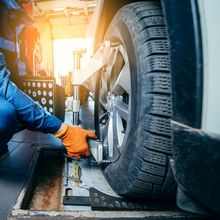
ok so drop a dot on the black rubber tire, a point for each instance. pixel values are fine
(143, 168)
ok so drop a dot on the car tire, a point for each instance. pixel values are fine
(140, 168)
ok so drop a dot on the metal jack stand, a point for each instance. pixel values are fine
(99, 61)
(95, 146)
(76, 88)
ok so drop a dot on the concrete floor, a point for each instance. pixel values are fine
(14, 165)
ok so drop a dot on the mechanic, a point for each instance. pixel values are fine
(18, 111)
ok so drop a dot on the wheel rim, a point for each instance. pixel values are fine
(114, 97)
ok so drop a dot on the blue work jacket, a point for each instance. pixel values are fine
(29, 114)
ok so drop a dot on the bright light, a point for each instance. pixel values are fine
(63, 55)
(58, 9)
(91, 5)
(75, 13)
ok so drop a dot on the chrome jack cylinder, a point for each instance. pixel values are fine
(76, 88)
(76, 104)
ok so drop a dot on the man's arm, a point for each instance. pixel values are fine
(31, 115)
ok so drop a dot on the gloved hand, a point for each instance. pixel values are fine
(74, 139)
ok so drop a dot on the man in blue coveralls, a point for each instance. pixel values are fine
(16, 108)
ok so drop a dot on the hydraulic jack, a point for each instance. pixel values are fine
(95, 145)
(99, 61)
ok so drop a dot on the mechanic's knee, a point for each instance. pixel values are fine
(7, 117)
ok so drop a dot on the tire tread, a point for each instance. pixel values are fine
(156, 128)
(151, 174)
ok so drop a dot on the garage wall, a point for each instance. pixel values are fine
(69, 31)
(57, 28)
(46, 38)
(72, 27)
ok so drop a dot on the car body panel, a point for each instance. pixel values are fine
(209, 18)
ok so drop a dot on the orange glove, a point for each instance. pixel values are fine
(74, 139)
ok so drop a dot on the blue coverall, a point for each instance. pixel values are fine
(16, 109)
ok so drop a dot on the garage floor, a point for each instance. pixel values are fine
(14, 163)
(14, 166)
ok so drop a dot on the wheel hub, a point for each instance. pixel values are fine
(110, 104)
(115, 84)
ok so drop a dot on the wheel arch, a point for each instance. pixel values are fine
(183, 22)
(108, 9)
